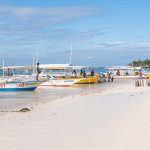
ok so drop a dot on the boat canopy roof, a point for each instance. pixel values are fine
(124, 68)
(54, 66)
(46, 66)
(78, 67)
(16, 67)
(60, 66)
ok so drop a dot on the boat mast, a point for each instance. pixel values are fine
(71, 54)
(3, 67)
(33, 65)
(37, 57)
(35, 61)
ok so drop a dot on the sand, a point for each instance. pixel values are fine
(115, 119)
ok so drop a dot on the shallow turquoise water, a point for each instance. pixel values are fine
(16, 100)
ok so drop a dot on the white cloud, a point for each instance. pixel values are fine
(123, 44)
(90, 57)
(51, 14)
(116, 43)
(17, 11)
(24, 26)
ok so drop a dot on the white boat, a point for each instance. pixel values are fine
(59, 82)
(9, 86)
(17, 82)
(127, 72)
(62, 75)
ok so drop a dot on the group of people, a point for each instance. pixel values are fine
(110, 77)
(83, 73)
(38, 71)
(9, 73)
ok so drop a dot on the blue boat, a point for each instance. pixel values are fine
(10, 86)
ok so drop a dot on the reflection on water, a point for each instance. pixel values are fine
(17, 100)
(11, 100)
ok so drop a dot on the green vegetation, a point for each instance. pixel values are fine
(143, 63)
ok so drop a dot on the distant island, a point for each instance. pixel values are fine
(143, 63)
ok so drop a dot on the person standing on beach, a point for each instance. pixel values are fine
(141, 81)
(140, 73)
(118, 73)
(38, 71)
(112, 77)
(108, 77)
(8, 72)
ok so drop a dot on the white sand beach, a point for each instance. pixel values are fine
(115, 119)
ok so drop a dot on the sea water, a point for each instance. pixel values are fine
(12, 101)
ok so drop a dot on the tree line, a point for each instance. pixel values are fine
(143, 63)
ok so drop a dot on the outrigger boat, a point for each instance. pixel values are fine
(17, 83)
(59, 82)
(87, 80)
(69, 81)
(61, 75)
(18, 86)
(127, 72)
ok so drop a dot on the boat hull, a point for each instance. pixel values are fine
(89, 80)
(69, 81)
(59, 82)
(128, 77)
(18, 86)
(17, 89)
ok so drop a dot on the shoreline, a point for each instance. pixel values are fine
(12, 101)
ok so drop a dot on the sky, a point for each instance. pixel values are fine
(102, 33)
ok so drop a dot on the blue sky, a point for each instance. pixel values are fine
(102, 32)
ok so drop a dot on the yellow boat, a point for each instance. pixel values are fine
(69, 73)
(88, 80)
